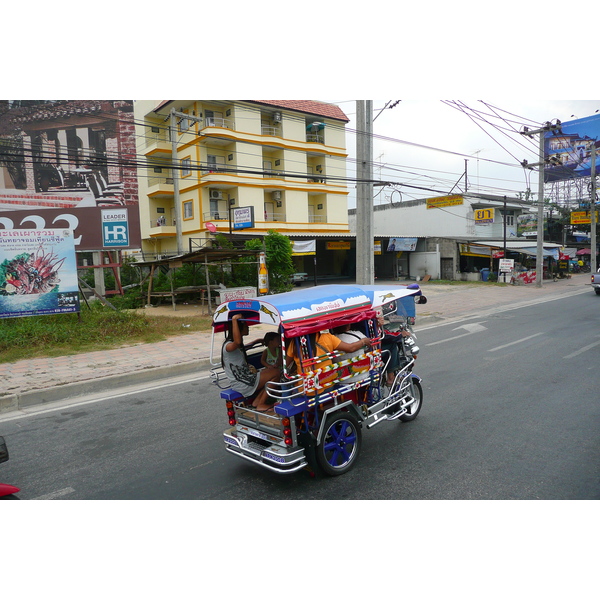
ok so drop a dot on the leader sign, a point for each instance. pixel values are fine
(115, 232)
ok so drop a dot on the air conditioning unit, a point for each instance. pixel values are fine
(277, 117)
(216, 195)
(276, 195)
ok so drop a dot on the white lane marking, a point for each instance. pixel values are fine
(65, 404)
(494, 310)
(56, 494)
(515, 342)
(470, 327)
(582, 350)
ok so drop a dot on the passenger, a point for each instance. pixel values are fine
(346, 334)
(324, 344)
(271, 356)
(243, 377)
(389, 343)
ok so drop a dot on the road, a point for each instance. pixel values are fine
(510, 412)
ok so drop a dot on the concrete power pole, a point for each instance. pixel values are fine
(175, 175)
(365, 266)
(539, 259)
(593, 264)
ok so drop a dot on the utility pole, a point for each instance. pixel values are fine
(593, 264)
(365, 265)
(175, 174)
(539, 259)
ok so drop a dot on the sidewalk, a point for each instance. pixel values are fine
(31, 382)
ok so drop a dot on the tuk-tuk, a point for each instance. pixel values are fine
(322, 401)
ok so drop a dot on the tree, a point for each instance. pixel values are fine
(278, 250)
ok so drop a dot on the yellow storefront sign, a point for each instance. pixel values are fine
(338, 245)
(484, 216)
(583, 217)
(443, 201)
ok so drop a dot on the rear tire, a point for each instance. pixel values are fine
(415, 407)
(339, 448)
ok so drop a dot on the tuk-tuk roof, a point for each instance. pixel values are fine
(311, 308)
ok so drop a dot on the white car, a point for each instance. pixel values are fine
(298, 278)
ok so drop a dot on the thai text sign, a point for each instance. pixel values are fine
(583, 217)
(243, 217)
(484, 216)
(443, 201)
(338, 245)
(38, 272)
(506, 265)
(238, 293)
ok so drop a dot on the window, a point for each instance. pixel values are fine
(188, 210)
(186, 164)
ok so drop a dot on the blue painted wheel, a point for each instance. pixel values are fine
(340, 445)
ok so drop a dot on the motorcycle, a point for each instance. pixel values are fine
(7, 491)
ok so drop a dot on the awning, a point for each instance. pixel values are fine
(583, 251)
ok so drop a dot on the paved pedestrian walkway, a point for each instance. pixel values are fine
(39, 380)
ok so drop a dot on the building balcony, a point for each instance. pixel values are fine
(156, 144)
(218, 122)
(160, 228)
(160, 187)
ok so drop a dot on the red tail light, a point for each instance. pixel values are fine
(230, 412)
(287, 431)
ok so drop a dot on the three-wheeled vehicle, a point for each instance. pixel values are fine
(323, 400)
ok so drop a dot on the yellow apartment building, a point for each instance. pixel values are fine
(284, 161)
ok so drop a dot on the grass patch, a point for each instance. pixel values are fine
(99, 328)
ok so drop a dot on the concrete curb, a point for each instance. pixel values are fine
(15, 402)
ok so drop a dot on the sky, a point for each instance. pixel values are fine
(425, 143)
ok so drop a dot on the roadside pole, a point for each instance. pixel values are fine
(593, 265)
(365, 262)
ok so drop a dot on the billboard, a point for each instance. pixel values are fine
(94, 228)
(38, 272)
(569, 149)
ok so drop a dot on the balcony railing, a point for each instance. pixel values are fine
(162, 222)
(270, 130)
(317, 219)
(219, 122)
(156, 138)
(160, 180)
(319, 138)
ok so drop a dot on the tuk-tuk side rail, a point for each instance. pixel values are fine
(219, 378)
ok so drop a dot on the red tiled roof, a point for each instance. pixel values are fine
(312, 107)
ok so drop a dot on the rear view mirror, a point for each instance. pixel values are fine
(3, 450)
(421, 300)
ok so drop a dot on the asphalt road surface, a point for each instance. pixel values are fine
(510, 411)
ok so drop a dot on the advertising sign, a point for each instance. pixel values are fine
(38, 272)
(568, 150)
(338, 245)
(583, 217)
(242, 217)
(86, 223)
(115, 230)
(484, 216)
(506, 265)
(443, 201)
(402, 244)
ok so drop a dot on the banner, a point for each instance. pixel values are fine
(304, 247)
(402, 244)
(443, 201)
(38, 272)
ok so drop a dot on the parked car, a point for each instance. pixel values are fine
(298, 278)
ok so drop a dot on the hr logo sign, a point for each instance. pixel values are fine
(115, 231)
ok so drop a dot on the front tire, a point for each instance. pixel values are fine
(339, 448)
(597, 290)
(415, 407)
